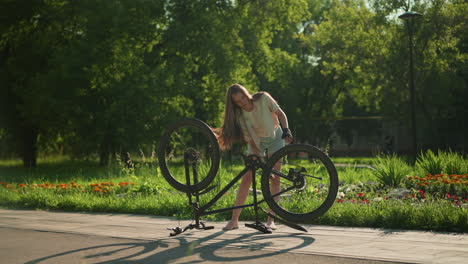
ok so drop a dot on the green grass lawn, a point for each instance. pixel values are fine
(63, 184)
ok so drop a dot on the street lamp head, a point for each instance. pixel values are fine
(409, 15)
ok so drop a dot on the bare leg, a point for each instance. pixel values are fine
(274, 188)
(240, 200)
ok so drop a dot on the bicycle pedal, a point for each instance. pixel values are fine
(175, 231)
(206, 227)
(260, 227)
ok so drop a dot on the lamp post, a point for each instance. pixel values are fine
(409, 17)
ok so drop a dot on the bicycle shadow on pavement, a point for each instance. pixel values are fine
(235, 248)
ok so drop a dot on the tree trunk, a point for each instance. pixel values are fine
(29, 146)
(105, 150)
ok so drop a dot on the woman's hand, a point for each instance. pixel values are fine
(287, 135)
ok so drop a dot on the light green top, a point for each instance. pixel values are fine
(262, 121)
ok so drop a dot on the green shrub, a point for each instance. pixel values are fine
(442, 162)
(429, 163)
(454, 163)
(391, 170)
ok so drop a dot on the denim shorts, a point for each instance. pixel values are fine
(269, 145)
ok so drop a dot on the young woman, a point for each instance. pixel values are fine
(258, 120)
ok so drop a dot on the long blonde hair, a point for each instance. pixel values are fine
(231, 132)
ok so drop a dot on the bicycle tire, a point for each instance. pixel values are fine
(302, 203)
(213, 157)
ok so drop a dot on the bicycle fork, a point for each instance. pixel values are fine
(190, 161)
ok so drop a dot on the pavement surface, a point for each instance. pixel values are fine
(29, 236)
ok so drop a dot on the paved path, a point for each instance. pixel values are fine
(34, 247)
(357, 244)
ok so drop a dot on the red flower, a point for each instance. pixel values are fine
(339, 200)
(447, 195)
(360, 194)
(421, 191)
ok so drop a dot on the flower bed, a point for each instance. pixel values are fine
(103, 188)
(453, 187)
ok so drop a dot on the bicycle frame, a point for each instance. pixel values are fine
(202, 210)
(252, 163)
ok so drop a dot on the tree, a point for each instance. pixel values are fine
(31, 32)
(365, 52)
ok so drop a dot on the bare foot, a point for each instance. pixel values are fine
(231, 225)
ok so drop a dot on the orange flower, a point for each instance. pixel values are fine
(96, 189)
(21, 185)
(62, 186)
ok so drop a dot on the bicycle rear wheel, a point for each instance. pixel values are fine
(188, 155)
(308, 183)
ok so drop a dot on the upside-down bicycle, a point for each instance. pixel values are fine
(308, 178)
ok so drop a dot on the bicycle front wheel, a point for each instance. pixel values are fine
(189, 155)
(299, 183)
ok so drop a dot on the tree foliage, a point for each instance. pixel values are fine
(99, 77)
